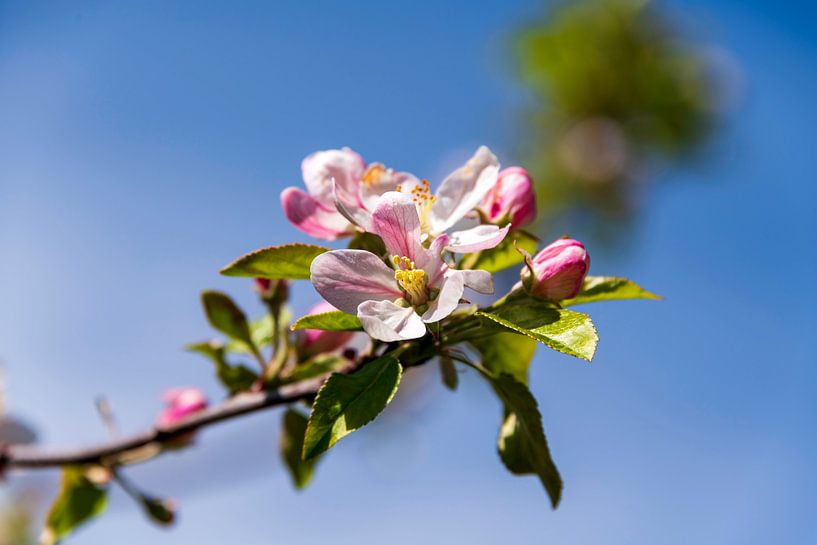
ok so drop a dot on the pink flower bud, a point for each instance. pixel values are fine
(263, 286)
(558, 270)
(317, 341)
(180, 403)
(512, 198)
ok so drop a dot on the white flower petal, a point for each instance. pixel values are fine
(478, 238)
(379, 180)
(390, 322)
(346, 278)
(344, 165)
(356, 215)
(463, 190)
(451, 289)
(479, 281)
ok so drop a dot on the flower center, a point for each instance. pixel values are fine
(373, 174)
(412, 281)
(423, 199)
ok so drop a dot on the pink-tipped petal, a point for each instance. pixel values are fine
(346, 278)
(395, 220)
(463, 190)
(312, 217)
(390, 322)
(343, 165)
(481, 237)
(448, 299)
(354, 214)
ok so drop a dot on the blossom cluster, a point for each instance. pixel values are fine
(419, 278)
(413, 254)
(417, 281)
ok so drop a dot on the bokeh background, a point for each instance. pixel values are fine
(143, 145)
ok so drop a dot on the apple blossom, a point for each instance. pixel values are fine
(394, 303)
(332, 177)
(452, 209)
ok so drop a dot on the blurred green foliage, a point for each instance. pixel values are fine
(616, 92)
(15, 520)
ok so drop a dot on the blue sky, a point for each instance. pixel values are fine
(144, 145)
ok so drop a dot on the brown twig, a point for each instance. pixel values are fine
(25, 456)
(143, 446)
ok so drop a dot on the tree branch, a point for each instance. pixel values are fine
(24, 456)
(148, 444)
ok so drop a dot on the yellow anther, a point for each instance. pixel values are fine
(412, 281)
(373, 174)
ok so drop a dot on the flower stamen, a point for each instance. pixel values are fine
(412, 281)
(373, 174)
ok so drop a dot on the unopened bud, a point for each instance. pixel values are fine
(557, 272)
(512, 198)
(180, 403)
(275, 291)
(317, 341)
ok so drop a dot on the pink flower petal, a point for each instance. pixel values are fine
(346, 278)
(431, 261)
(448, 299)
(395, 219)
(481, 237)
(343, 165)
(378, 180)
(313, 218)
(463, 190)
(356, 215)
(389, 322)
(479, 281)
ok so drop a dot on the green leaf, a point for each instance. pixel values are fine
(224, 315)
(563, 330)
(348, 402)
(79, 501)
(261, 333)
(504, 255)
(329, 321)
(449, 373)
(508, 353)
(287, 262)
(608, 288)
(319, 365)
(293, 430)
(369, 242)
(522, 445)
(236, 378)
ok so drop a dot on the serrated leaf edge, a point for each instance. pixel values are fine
(311, 454)
(226, 269)
(555, 345)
